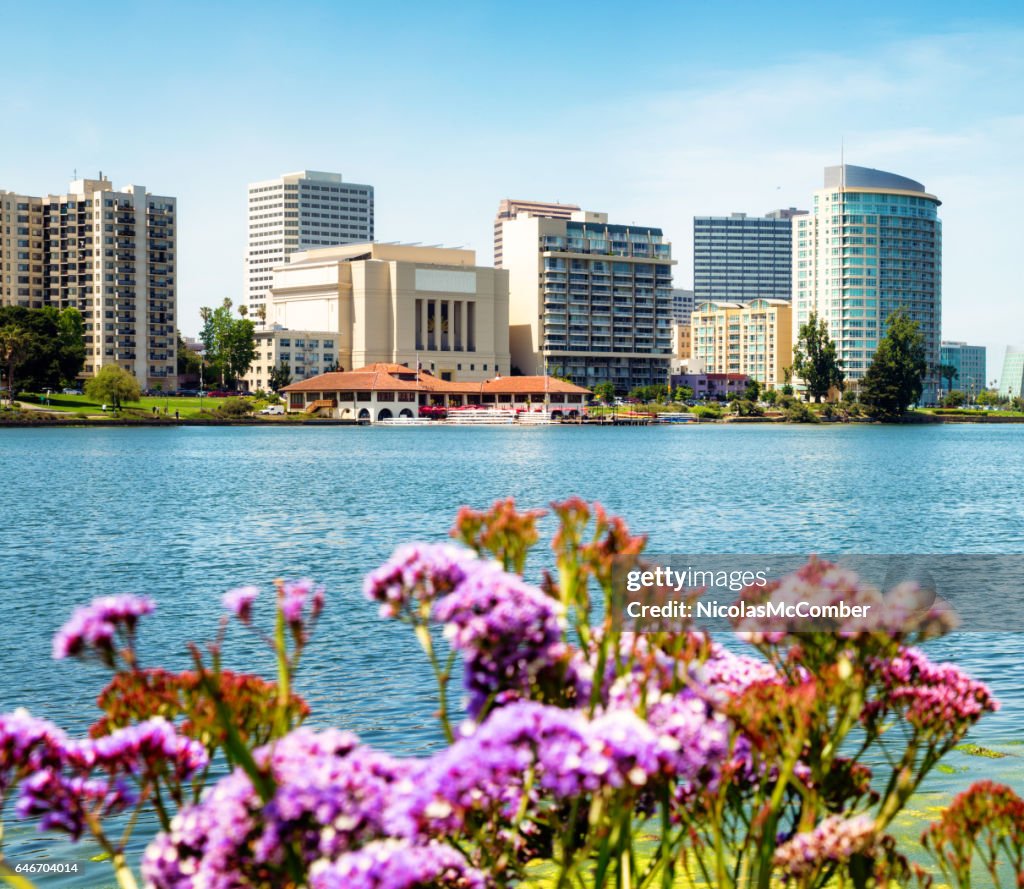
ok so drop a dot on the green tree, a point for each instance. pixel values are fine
(986, 397)
(113, 385)
(954, 398)
(70, 344)
(188, 361)
(605, 391)
(815, 360)
(280, 376)
(230, 342)
(895, 378)
(682, 393)
(15, 346)
(771, 396)
(753, 391)
(949, 373)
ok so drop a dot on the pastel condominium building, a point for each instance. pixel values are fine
(109, 254)
(753, 338)
(399, 304)
(871, 244)
(589, 300)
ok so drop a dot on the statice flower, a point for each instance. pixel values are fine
(239, 602)
(508, 630)
(724, 674)
(416, 575)
(293, 597)
(833, 841)
(396, 864)
(26, 745)
(150, 746)
(937, 699)
(330, 797)
(815, 585)
(93, 628)
(62, 802)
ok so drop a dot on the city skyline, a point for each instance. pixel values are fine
(705, 114)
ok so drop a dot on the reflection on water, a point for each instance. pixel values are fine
(184, 514)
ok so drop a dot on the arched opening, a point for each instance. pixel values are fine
(574, 415)
(364, 414)
(385, 414)
(556, 415)
(348, 414)
(406, 413)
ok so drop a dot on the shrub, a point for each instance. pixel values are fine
(234, 408)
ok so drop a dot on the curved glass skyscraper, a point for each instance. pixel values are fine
(871, 244)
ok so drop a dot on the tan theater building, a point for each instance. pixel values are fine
(399, 304)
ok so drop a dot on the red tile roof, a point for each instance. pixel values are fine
(386, 377)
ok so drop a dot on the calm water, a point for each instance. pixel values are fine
(184, 514)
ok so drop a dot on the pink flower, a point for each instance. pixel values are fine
(239, 602)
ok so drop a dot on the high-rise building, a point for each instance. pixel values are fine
(397, 304)
(510, 209)
(682, 306)
(753, 338)
(589, 300)
(300, 211)
(969, 362)
(871, 244)
(111, 255)
(1011, 380)
(740, 257)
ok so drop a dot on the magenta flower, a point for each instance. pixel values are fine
(397, 864)
(94, 627)
(150, 746)
(416, 575)
(294, 595)
(239, 602)
(27, 744)
(832, 841)
(62, 802)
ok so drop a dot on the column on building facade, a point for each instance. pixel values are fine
(464, 345)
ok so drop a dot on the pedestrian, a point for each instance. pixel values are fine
(175, 415)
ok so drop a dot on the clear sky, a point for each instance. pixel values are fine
(654, 112)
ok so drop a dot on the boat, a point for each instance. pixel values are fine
(677, 418)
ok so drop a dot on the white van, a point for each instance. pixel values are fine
(275, 410)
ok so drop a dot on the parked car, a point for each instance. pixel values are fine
(72, 391)
(274, 410)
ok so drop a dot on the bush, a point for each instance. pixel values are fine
(706, 412)
(234, 408)
(799, 412)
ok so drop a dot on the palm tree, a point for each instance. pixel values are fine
(15, 347)
(949, 373)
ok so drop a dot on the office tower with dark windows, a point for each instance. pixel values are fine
(300, 211)
(739, 257)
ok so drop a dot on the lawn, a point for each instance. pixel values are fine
(166, 406)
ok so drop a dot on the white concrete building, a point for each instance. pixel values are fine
(399, 304)
(111, 255)
(300, 211)
(307, 353)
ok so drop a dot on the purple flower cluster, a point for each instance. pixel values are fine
(331, 797)
(27, 745)
(416, 575)
(934, 698)
(239, 602)
(397, 864)
(62, 802)
(834, 840)
(293, 597)
(94, 626)
(509, 631)
(150, 746)
(62, 780)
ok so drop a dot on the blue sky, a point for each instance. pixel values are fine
(652, 112)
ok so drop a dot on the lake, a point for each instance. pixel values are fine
(185, 513)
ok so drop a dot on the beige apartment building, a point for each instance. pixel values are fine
(109, 254)
(510, 208)
(589, 300)
(753, 338)
(682, 346)
(399, 304)
(307, 353)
